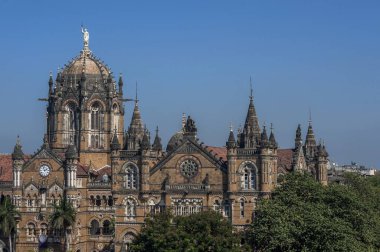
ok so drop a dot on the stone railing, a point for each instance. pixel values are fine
(98, 184)
(247, 152)
(187, 187)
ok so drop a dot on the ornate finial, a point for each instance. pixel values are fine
(156, 130)
(250, 86)
(271, 127)
(309, 116)
(231, 128)
(136, 100)
(86, 38)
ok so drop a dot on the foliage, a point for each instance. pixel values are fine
(63, 217)
(8, 220)
(205, 231)
(303, 215)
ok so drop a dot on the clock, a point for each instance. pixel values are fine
(44, 170)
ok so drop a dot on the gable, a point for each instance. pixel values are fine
(43, 154)
(189, 147)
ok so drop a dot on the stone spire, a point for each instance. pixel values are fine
(251, 131)
(115, 145)
(121, 85)
(50, 83)
(264, 138)
(136, 130)
(272, 140)
(231, 143)
(145, 143)
(310, 143)
(298, 139)
(157, 146)
(17, 151)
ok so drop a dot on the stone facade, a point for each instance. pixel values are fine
(117, 178)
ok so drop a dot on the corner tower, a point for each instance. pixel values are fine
(85, 107)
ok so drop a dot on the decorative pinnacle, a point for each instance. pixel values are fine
(231, 127)
(18, 140)
(136, 100)
(157, 130)
(271, 127)
(309, 116)
(250, 86)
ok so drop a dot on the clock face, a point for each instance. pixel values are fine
(44, 170)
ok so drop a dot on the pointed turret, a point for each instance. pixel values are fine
(264, 138)
(157, 146)
(115, 144)
(272, 141)
(71, 152)
(145, 143)
(298, 139)
(251, 131)
(310, 143)
(51, 84)
(121, 84)
(17, 151)
(136, 130)
(231, 143)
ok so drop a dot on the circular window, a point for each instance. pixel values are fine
(189, 168)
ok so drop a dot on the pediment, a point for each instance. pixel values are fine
(44, 153)
(191, 147)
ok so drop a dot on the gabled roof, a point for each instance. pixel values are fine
(6, 173)
(195, 148)
(285, 158)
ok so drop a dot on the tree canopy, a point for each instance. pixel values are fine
(303, 215)
(204, 231)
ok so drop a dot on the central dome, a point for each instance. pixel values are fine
(86, 62)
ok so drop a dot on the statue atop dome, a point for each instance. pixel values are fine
(86, 38)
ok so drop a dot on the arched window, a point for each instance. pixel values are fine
(249, 177)
(130, 209)
(242, 208)
(92, 200)
(115, 117)
(128, 239)
(110, 201)
(217, 206)
(95, 116)
(94, 228)
(131, 177)
(96, 126)
(152, 207)
(98, 201)
(43, 229)
(31, 229)
(70, 123)
(107, 228)
(226, 209)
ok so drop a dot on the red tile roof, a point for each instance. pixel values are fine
(220, 152)
(285, 158)
(6, 173)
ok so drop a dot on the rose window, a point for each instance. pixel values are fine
(189, 168)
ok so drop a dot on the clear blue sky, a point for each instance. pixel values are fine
(196, 57)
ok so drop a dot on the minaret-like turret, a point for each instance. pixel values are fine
(18, 162)
(298, 139)
(272, 140)
(310, 143)
(321, 164)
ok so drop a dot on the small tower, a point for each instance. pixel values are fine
(157, 146)
(321, 164)
(310, 143)
(18, 162)
(231, 159)
(135, 131)
(298, 139)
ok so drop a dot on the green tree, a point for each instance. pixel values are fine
(8, 220)
(62, 218)
(205, 231)
(303, 215)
